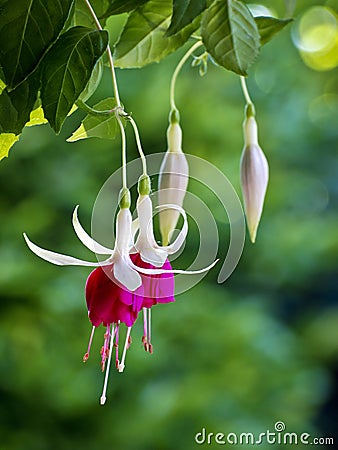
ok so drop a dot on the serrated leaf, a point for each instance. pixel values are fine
(184, 12)
(123, 6)
(7, 140)
(27, 29)
(16, 105)
(269, 26)
(104, 127)
(143, 39)
(230, 35)
(67, 69)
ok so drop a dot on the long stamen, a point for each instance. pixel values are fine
(105, 384)
(116, 345)
(121, 366)
(105, 348)
(149, 332)
(145, 330)
(86, 355)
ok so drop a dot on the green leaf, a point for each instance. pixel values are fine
(36, 117)
(16, 105)
(123, 6)
(27, 29)
(67, 69)
(143, 39)
(184, 12)
(82, 16)
(104, 127)
(269, 26)
(7, 140)
(230, 35)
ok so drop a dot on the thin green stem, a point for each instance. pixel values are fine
(94, 112)
(177, 71)
(245, 91)
(139, 146)
(109, 53)
(123, 151)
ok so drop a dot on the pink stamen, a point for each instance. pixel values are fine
(117, 346)
(105, 348)
(86, 355)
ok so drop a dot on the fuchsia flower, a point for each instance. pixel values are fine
(135, 277)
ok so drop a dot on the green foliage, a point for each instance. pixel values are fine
(123, 6)
(104, 127)
(184, 12)
(230, 35)
(27, 29)
(269, 26)
(67, 70)
(17, 104)
(59, 42)
(143, 39)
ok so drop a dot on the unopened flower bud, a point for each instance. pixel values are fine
(173, 180)
(254, 176)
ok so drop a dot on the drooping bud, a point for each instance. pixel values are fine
(254, 174)
(173, 179)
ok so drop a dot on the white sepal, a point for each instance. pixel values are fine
(59, 259)
(87, 240)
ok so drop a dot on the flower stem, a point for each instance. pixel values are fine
(116, 95)
(139, 146)
(250, 107)
(177, 71)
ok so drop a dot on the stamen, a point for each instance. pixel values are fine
(121, 366)
(104, 390)
(117, 345)
(105, 348)
(145, 330)
(86, 355)
(149, 331)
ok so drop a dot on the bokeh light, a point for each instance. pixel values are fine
(315, 35)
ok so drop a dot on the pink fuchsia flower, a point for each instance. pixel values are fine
(115, 290)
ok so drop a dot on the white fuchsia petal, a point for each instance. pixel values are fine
(59, 259)
(162, 271)
(87, 240)
(126, 274)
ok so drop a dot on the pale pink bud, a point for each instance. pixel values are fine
(173, 181)
(254, 176)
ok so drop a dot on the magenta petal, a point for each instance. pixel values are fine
(156, 288)
(107, 302)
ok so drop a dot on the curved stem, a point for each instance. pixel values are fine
(109, 53)
(123, 151)
(245, 91)
(93, 112)
(139, 146)
(177, 71)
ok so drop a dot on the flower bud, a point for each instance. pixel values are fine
(254, 176)
(173, 180)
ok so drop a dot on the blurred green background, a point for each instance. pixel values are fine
(236, 357)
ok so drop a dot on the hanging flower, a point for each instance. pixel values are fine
(124, 284)
(254, 175)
